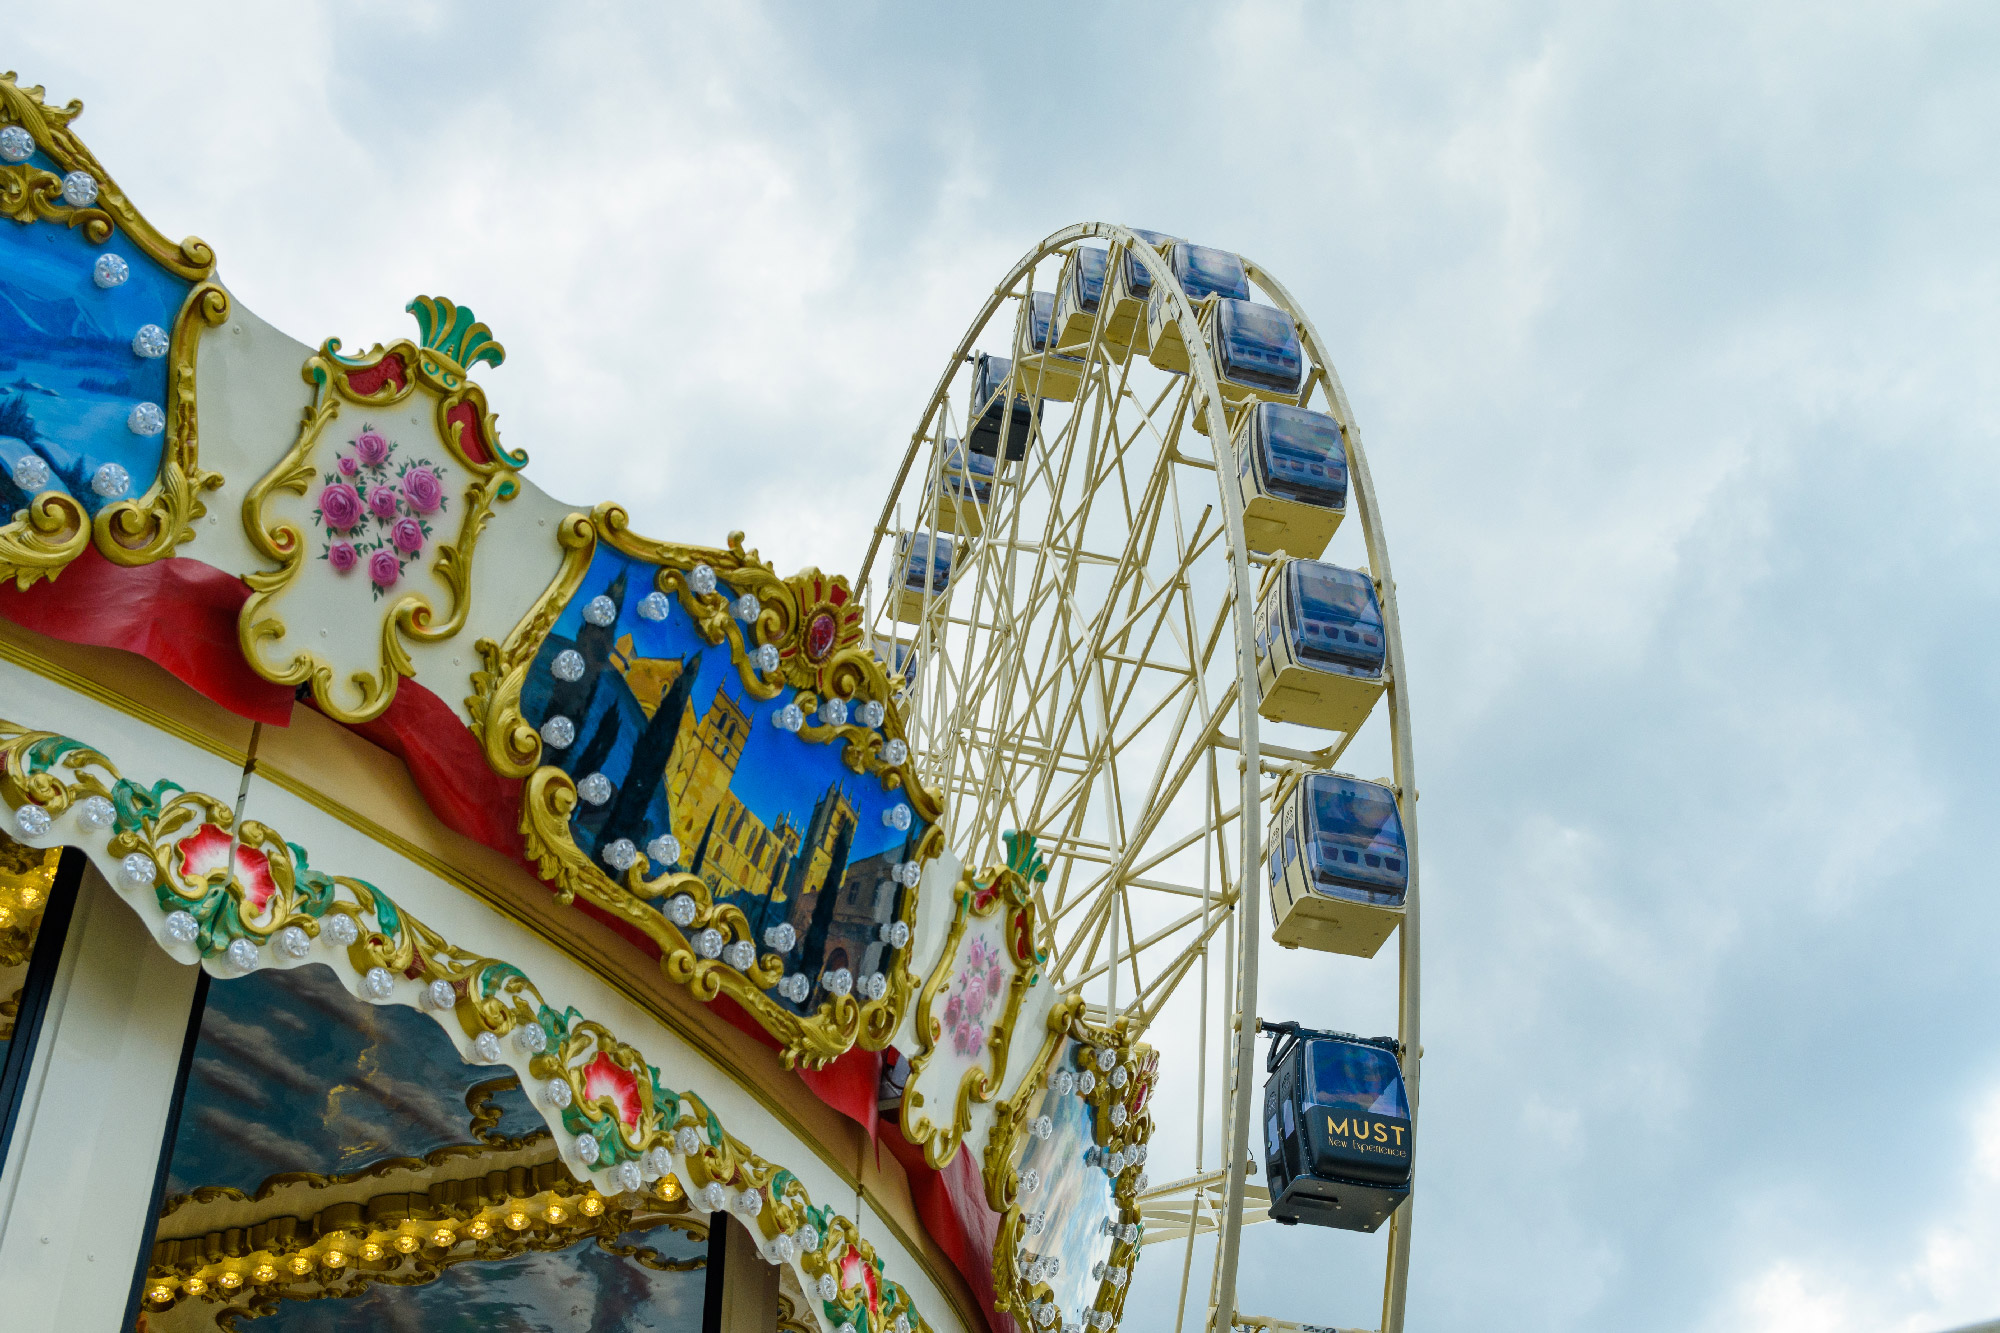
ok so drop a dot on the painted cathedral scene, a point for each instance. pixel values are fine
(655, 721)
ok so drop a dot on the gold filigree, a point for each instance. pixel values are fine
(1000, 892)
(385, 377)
(42, 541)
(786, 611)
(27, 877)
(1113, 1133)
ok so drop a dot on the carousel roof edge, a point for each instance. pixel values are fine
(80, 703)
(369, 792)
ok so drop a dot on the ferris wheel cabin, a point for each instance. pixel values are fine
(1321, 652)
(1203, 272)
(1043, 373)
(1079, 295)
(963, 488)
(999, 416)
(1339, 866)
(1337, 1133)
(1131, 287)
(924, 562)
(1291, 472)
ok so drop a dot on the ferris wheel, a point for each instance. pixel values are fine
(1101, 581)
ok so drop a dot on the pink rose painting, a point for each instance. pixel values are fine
(371, 447)
(407, 536)
(974, 991)
(340, 506)
(604, 1079)
(422, 491)
(380, 518)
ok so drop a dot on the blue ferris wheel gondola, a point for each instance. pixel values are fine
(1321, 647)
(962, 489)
(1079, 296)
(1291, 473)
(1338, 1137)
(1000, 416)
(923, 573)
(1123, 309)
(1338, 867)
(1043, 373)
(1204, 273)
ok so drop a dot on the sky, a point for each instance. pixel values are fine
(1672, 332)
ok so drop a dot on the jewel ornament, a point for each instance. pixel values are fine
(895, 934)
(767, 658)
(708, 942)
(626, 1176)
(1063, 1081)
(897, 817)
(341, 930)
(681, 910)
(781, 937)
(568, 666)
(654, 606)
(840, 981)
(895, 752)
(79, 189)
(1043, 1127)
(378, 984)
(31, 474)
(150, 342)
(620, 854)
(701, 579)
(1119, 1116)
(656, 1163)
(487, 1047)
(111, 480)
(16, 144)
(33, 821)
(110, 271)
(557, 1092)
(138, 870)
(182, 927)
(586, 1147)
(439, 994)
(1086, 1083)
(788, 718)
(595, 788)
(748, 1202)
(871, 713)
(742, 955)
(834, 712)
(1118, 1077)
(530, 1038)
(1106, 1058)
(713, 1197)
(95, 813)
(748, 608)
(292, 942)
(663, 851)
(145, 419)
(688, 1139)
(1031, 1180)
(874, 986)
(600, 610)
(808, 1238)
(558, 733)
(795, 988)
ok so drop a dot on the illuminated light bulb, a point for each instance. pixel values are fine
(264, 1273)
(444, 1238)
(161, 1294)
(480, 1229)
(29, 895)
(229, 1280)
(556, 1213)
(301, 1264)
(670, 1188)
(592, 1205)
(517, 1220)
(194, 1286)
(407, 1244)
(6, 917)
(334, 1259)
(372, 1252)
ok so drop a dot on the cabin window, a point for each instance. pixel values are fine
(1366, 1078)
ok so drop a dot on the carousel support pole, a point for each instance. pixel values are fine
(742, 1290)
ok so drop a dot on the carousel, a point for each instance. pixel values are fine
(426, 903)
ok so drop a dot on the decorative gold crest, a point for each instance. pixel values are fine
(809, 623)
(968, 1008)
(53, 529)
(382, 501)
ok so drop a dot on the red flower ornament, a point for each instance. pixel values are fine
(205, 853)
(604, 1077)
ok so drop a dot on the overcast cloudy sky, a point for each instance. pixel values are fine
(1673, 332)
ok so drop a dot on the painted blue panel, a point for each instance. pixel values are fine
(775, 824)
(69, 377)
(291, 1073)
(1075, 1197)
(582, 1289)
